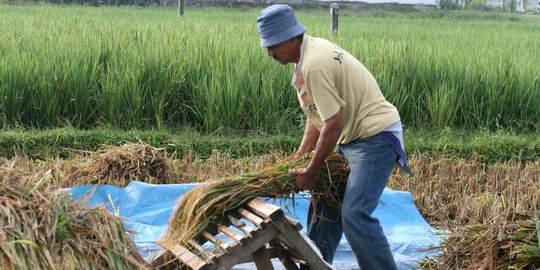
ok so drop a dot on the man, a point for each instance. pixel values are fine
(344, 107)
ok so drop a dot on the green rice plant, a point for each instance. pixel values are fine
(147, 68)
(15, 88)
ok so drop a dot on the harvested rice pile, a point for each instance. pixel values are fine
(122, 164)
(487, 209)
(43, 229)
(501, 245)
(198, 207)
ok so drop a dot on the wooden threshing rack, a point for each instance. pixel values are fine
(258, 232)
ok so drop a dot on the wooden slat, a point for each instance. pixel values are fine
(211, 229)
(226, 248)
(190, 259)
(196, 245)
(224, 229)
(209, 237)
(264, 209)
(242, 253)
(162, 259)
(250, 216)
(208, 256)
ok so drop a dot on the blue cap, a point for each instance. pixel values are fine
(277, 24)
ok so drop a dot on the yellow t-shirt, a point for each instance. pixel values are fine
(328, 79)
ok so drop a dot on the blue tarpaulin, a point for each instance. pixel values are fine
(147, 209)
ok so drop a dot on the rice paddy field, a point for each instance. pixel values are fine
(77, 83)
(146, 68)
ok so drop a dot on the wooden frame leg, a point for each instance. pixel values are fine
(284, 258)
(305, 249)
(262, 259)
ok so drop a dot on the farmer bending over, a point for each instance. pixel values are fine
(344, 107)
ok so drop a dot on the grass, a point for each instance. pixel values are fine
(44, 144)
(139, 68)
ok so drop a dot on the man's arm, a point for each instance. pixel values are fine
(309, 141)
(306, 177)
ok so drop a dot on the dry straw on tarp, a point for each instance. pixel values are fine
(122, 164)
(198, 207)
(43, 229)
(501, 245)
(487, 210)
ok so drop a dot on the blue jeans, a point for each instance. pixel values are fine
(371, 161)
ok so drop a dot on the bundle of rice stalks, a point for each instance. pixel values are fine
(501, 245)
(119, 165)
(44, 229)
(526, 240)
(198, 207)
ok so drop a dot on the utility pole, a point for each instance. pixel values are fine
(180, 8)
(334, 10)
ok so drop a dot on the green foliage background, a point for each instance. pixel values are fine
(487, 146)
(129, 67)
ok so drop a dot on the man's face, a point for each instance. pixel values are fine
(283, 52)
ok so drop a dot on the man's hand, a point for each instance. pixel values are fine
(305, 178)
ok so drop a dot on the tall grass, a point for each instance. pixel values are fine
(146, 68)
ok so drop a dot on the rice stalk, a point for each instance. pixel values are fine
(207, 203)
(43, 229)
(120, 165)
(457, 192)
(500, 244)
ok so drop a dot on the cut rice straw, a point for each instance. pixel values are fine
(41, 228)
(200, 206)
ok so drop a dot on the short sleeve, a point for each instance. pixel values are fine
(321, 87)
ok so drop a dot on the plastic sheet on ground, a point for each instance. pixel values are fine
(148, 207)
